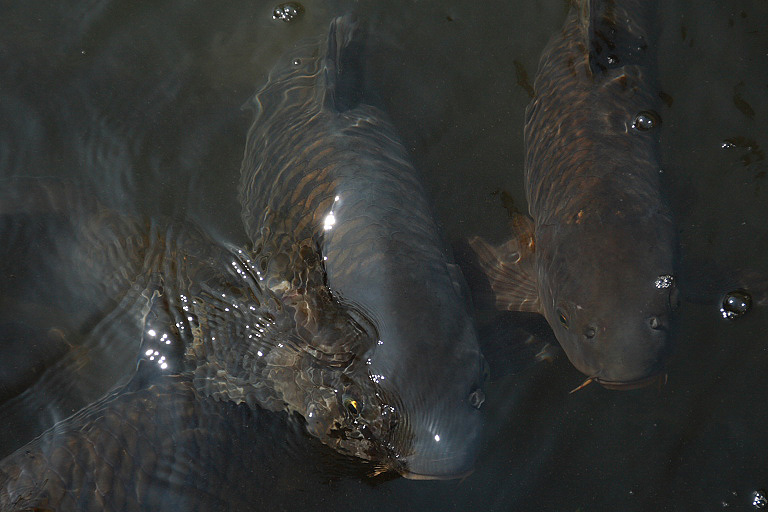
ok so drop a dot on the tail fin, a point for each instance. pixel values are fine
(316, 73)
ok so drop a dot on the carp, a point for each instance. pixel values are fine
(597, 255)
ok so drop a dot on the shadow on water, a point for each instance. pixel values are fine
(141, 101)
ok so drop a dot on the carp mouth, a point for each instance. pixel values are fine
(659, 378)
(417, 476)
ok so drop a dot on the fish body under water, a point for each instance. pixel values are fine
(158, 441)
(597, 259)
(163, 447)
(347, 311)
(343, 230)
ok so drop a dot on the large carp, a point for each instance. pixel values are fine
(347, 311)
(339, 217)
(597, 259)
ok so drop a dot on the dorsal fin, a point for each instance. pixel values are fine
(615, 34)
(320, 72)
(582, 8)
(343, 66)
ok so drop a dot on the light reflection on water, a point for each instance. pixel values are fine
(143, 104)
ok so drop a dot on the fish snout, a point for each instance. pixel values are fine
(637, 360)
(443, 450)
(626, 355)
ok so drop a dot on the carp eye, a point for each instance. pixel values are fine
(476, 398)
(351, 406)
(563, 318)
(590, 332)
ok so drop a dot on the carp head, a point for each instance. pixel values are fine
(608, 293)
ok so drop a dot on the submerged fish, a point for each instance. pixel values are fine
(157, 441)
(343, 232)
(347, 311)
(597, 259)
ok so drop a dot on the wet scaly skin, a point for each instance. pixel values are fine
(598, 258)
(342, 227)
(360, 327)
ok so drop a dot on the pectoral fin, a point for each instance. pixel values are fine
(510, 269)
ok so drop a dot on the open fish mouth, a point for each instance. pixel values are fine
(659, 378)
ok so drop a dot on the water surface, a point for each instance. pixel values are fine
(141, 101)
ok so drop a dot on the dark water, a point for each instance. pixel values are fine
(141, 101)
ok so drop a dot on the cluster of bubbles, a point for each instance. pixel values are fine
(287, 12)
(758, 499)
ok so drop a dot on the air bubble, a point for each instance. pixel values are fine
(287, 12)
(645, 120)
(735, 304)
(758, 499)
